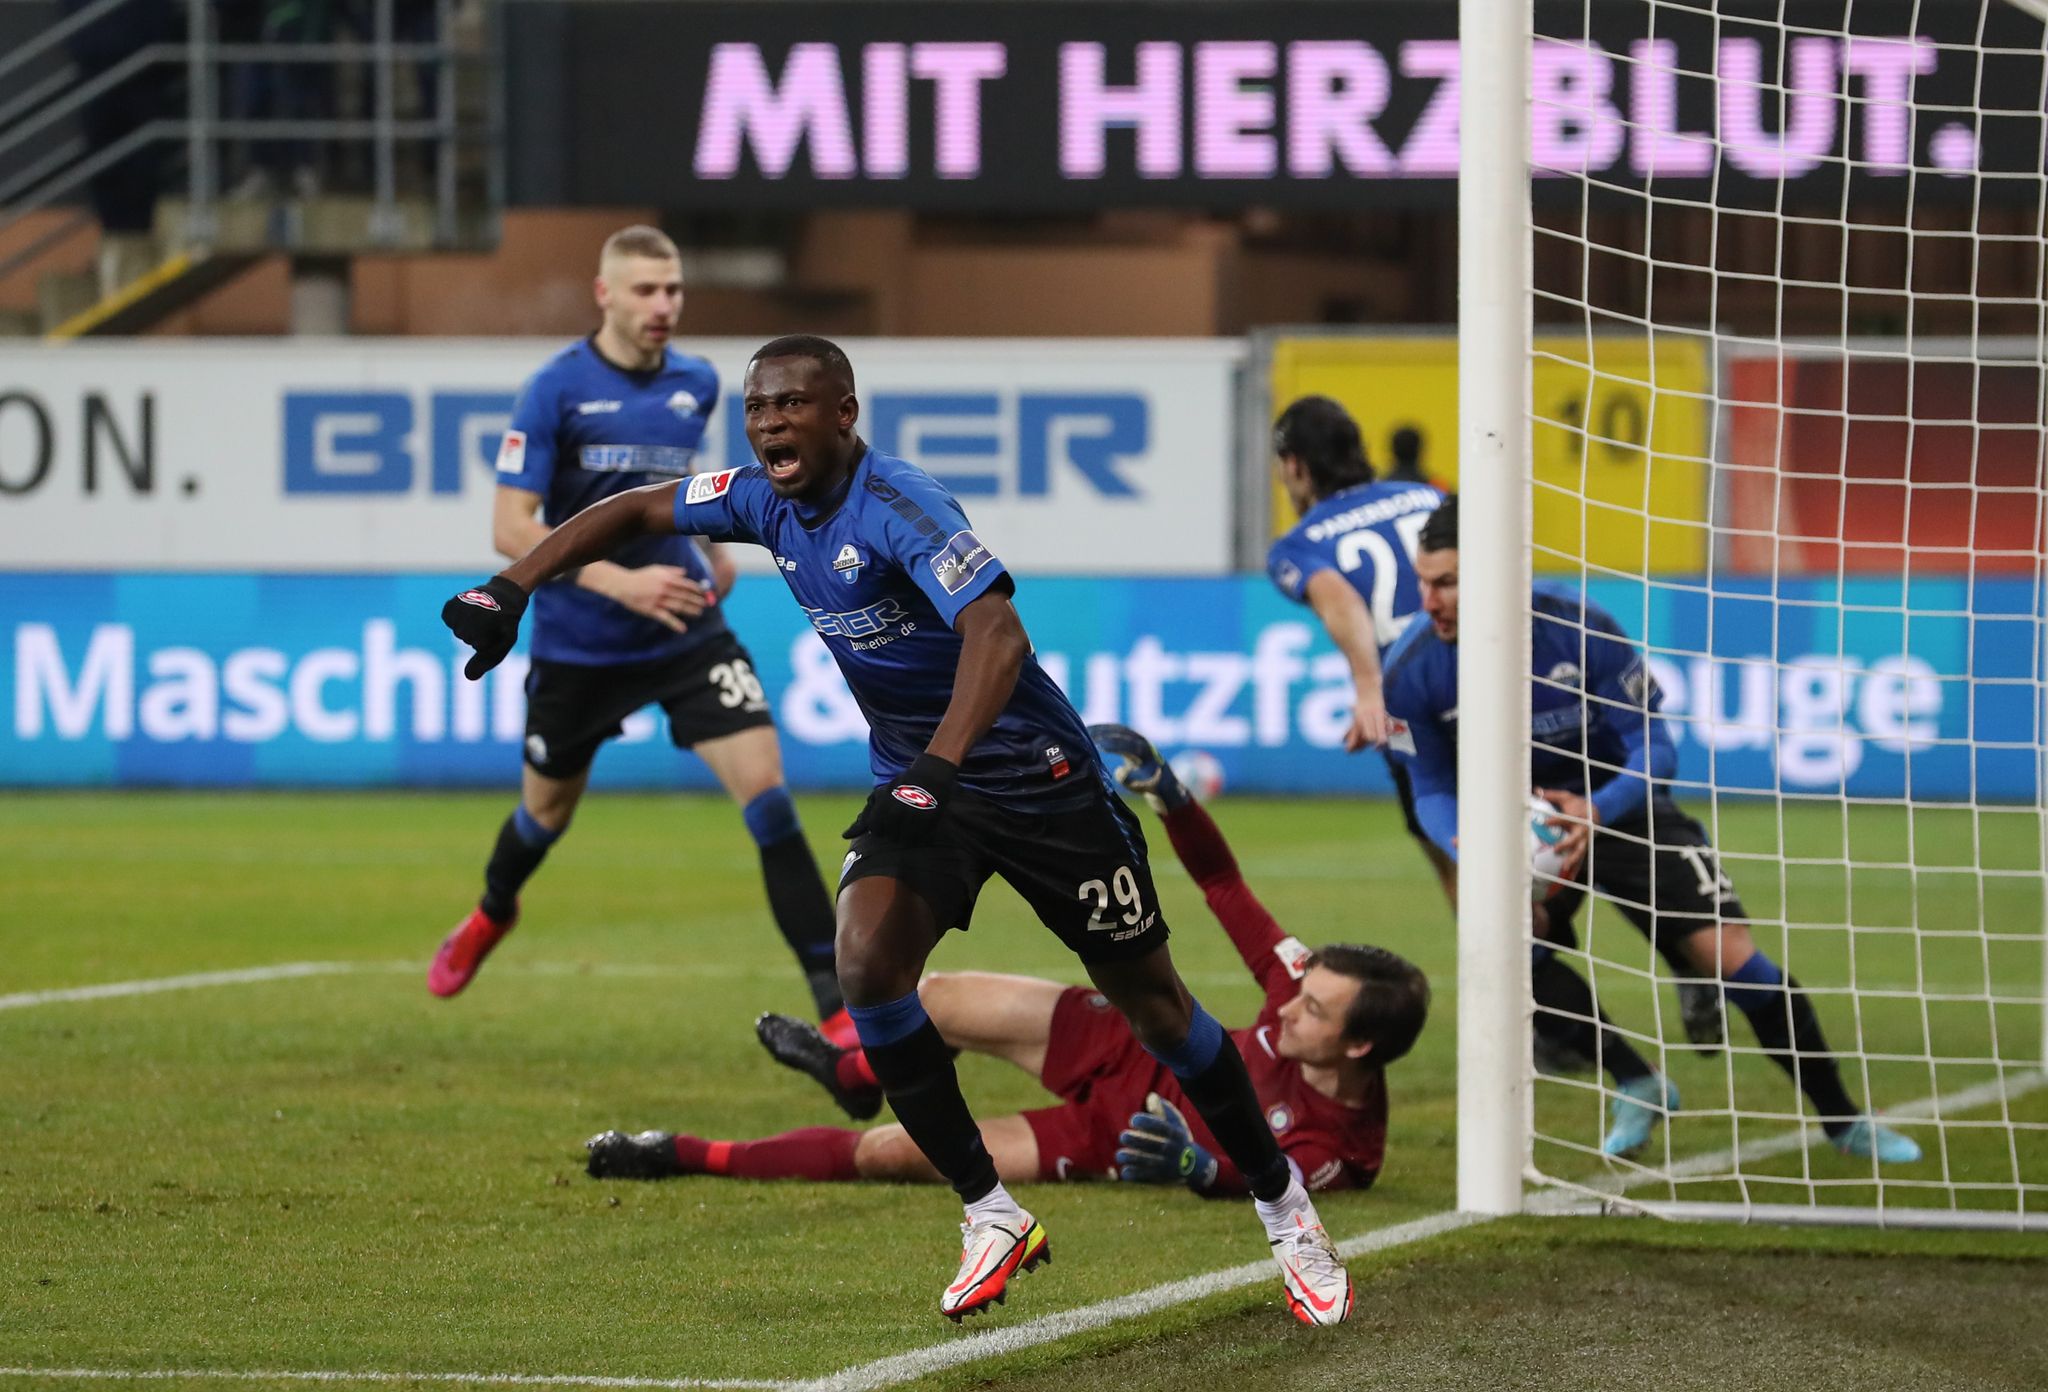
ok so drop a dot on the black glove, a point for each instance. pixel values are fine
(1157, 1147)
(487, 619)
(910, 806)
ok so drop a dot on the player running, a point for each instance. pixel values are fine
(983, 768)
(1604, 758)
(1351, 558)
(1333, 1020)
(638, 626)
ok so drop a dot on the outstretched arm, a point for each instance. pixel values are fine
(487, 618)
(1273, 958)
(1350, 627)
(665, 593)
(596, 532)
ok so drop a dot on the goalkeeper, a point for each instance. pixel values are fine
(1332, 1022)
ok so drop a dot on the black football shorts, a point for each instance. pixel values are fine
(571, 708)
(1083, 870)
(1660, 871)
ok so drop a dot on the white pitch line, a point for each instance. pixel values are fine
(282, 971)
(285, 971)
(466, 1379)
(902, 1367)
(1785, 1142)
(887, 1372)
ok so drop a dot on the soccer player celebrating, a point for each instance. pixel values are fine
(639, 623)
(983, 768)
(1604, 759)
(1333, 1020)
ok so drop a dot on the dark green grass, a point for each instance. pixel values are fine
(341, 1172)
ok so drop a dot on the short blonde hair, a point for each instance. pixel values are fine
(638, 240)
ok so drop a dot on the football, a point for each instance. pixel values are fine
(1199, 771)
(1545, 861)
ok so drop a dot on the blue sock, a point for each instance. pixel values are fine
(1756, 984)
(889, 1022)
(532, 832)
(522, 845)
(771, 817)
(796, 892)
(1212, 1073)
(915, 1068)
(1198, 1050)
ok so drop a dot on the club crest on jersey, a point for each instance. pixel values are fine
(1280, 1118)
(849, 562)
(684, 404)
(910, 795)
(482, 599)
(705, 488)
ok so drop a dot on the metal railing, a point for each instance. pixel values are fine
(45, 107)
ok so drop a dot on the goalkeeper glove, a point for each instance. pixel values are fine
(1158, 1148)
(909, 807)
(486, 618)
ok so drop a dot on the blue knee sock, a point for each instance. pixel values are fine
(771, 817)
(915, 1068)
(1211, 1072)
(1755, 984)
(1195, 1053)
(890, 1022)
(531, 831)
(522, 845)
(796, 892)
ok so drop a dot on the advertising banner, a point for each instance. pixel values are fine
(1865, 461)
(376, 455)
(1619, 442)
(284, 680)
(1025, 105)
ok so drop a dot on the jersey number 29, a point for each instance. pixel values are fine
(1127, 895)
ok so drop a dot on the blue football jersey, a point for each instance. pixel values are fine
(1594, 722)
(1367, 534)
(582, 430)
(882, 569)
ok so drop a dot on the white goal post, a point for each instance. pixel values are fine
(1753, 356)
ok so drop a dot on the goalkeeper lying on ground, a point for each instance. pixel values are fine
(1333, 1020)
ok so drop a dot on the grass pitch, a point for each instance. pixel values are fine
(336, 1172)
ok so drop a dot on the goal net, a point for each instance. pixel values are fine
(1782, 397)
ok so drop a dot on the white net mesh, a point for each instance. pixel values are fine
(1788, 408)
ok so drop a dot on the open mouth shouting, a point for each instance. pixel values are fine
(782, 461)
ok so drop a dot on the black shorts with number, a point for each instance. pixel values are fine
(1083, 870)
(571, 709)
(1660, 872)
